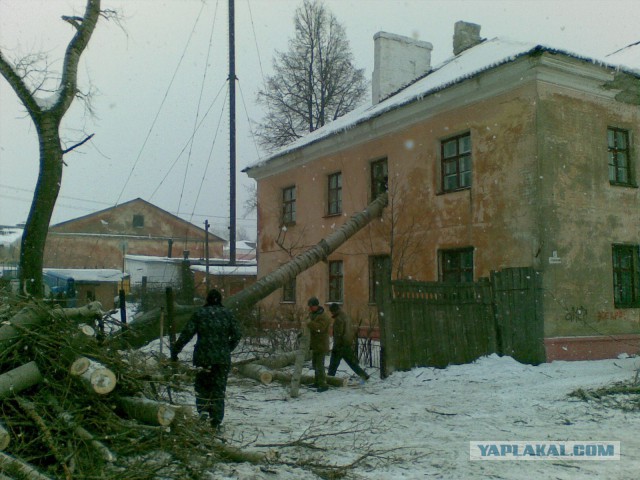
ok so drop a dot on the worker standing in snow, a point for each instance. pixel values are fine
(218, 334)
(319, 323)
(343, 338)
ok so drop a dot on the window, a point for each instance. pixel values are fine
(456, 163)
(456, 265)
(619, 158)
(138, 221)
(626, 276)
(289, 291)
(336, 280)
(379, 265)
(335, 194)
(379, 178)
(289, 205)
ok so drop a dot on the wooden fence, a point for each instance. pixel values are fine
(437, 324)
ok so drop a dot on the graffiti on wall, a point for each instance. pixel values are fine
(576, 315)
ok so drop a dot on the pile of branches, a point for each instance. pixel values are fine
(74, 405)
(621, 395)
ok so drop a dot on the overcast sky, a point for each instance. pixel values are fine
(159, 87)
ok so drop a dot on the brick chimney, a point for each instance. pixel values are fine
(465, 35)
(397, 61)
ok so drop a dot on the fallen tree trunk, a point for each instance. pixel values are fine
(233, 454)
(146, 328)
(147, 411)
(256, 372)
(7, 461)
(276, 279)
(93, 375)
(19, 379)
(5, 437)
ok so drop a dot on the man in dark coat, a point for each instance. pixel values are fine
(319, 323)
(343, 337)
(218, 334)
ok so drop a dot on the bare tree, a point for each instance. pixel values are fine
(315, 80)
(27, 81)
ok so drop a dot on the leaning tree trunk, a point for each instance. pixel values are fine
(325, 247)
(47, 122)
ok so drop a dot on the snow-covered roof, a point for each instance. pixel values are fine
(228, 270)
(86, 275)
(482, 57)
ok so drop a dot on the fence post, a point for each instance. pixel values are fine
(170, 317)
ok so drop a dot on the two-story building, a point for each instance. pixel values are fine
(507, 154)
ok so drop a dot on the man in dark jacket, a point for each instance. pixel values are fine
(343, 337)
(218, 334)
(319, 323)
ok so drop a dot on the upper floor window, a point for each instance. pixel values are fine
(289, 205)
(456, 265)
(626, 276)
(335, 194)
(336, 281)
(456, 163)
(619, 156)
(138, 221)
(289, 291)
(379, 178)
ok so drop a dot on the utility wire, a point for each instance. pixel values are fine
(161, 104)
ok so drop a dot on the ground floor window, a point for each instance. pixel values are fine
(289, 291)
(626, 276)
(336, 281)
(456, 265)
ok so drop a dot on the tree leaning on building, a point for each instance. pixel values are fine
(315, 80)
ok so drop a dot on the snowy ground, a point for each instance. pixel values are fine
(418, 424)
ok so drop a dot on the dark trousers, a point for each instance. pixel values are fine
(346, 354)
(317, 361)
(210, 386)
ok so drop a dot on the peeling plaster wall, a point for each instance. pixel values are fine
(582, 214)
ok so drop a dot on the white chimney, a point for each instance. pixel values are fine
(397, 61)
(465, 35)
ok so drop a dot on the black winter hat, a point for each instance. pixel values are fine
(313, 302)
(334, 307)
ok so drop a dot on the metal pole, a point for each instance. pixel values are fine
(206, 253)
(232, 136)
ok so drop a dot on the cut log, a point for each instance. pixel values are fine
(285, 378)
(82, 433)
(5, 437)
(94, 376)
(277, 362)
(301, 354)
(147, 411)
(18, 379)
(90, 310)
(32, 316)
(28, 471)
(257, 372)
(233, 454)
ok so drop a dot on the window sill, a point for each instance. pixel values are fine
(618, 184)
(329, 215)
(445, 192)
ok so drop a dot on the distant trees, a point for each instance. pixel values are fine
(28, 81)
(315, 80)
